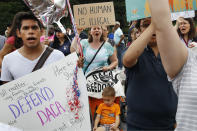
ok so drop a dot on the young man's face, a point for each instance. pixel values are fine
(30, 33)
(108, 100)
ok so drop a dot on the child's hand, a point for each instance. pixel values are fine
(94, 129)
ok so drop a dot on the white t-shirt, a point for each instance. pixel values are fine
(117, 36)
(15, 65)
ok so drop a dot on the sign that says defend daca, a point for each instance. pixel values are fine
(88, 15)
(40, 101)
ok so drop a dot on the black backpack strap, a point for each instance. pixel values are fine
(43, 58)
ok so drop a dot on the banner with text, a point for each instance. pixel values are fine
(88, 15)
(138, 9)
(97, 80)
(185, 14)
(43, 100)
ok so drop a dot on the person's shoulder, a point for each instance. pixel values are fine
(107, 44)
(57, 53)
(2, 37)
(116, 105)
(84, 42)
(12, 54)
(11, 57)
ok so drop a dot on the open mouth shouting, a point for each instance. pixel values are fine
(31, 39)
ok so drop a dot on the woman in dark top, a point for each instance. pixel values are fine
(61, 42)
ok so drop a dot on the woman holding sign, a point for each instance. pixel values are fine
(96, 54)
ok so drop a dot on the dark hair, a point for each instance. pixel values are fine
(18, 41)
(192, 30)
(109, 91)
(90, 38)
(56, 43)
(138, 24)
(145, 24)
(28, 16)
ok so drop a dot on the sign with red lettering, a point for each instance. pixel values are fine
(88, 15)
(43, 100)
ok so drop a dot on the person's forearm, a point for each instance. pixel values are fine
(113, 64)
(73, 46)
(173, 52)
(137, 47)
(117, 123)
(160, 8)
(96, 122)
(121, 39)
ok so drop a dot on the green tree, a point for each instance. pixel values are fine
(7, 11)
(8, 8)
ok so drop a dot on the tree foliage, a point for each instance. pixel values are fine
(8, 8)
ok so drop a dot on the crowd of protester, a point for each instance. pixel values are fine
(158, 61)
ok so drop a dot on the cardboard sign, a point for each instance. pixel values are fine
(88, 15)
(97, 80)
(138, 9)
(40, 101)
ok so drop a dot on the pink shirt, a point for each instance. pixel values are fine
(10, 40)
(50, 38)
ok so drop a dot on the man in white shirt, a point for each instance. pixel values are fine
(22, 61)
(119, 42)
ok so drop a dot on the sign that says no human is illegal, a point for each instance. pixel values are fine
(88, 15)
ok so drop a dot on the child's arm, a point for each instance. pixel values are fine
(117, 123)
(96, 122)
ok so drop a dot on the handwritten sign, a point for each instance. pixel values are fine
(138, 9)
(97, 80)
(88, 15)
(40, 100)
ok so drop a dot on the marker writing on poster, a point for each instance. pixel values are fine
(30, 101)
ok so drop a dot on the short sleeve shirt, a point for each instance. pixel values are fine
(108, 113)
(101, 58)
(117, 36)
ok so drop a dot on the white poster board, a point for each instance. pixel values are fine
(41, 101)
(97, 80)
(88, 15)
(185, 14)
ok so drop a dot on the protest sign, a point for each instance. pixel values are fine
(88, 15)
(185, 14)
(43, 100)
(138, 9)
(97, 80)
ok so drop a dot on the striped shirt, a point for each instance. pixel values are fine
(185, 85)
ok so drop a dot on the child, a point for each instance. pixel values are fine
(107, 112)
